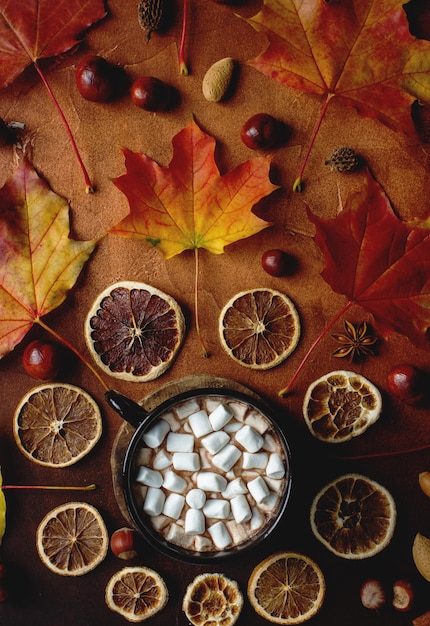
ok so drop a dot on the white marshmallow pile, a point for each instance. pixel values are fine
(210, 473)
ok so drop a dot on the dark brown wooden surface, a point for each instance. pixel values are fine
(400, 165)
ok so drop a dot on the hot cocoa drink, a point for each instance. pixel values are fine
(211, 473)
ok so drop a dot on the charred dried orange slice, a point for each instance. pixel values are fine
(287, 588)
(134, 331)
(72, 539)
(56, 424)
(259, 328)
(212, 600)
(136, 593)
(353, 516)
(341, 405)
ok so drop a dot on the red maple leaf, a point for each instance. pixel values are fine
(378, 262)
(361, 52)
(41, 29)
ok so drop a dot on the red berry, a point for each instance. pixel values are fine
(96, 79)
(261, 132)
(151, 94)
(408, 383)
(42, 359)
(277, 262)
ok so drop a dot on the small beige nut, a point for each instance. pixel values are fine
(217, 79)
(424, 482)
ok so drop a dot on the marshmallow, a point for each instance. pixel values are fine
(269, 443)
(202, 543)
(215, 441)
(154, 501)
(173, 505)
(232, 426)
(160, 521)
(249, 438)
(216, 508)
(200, 424)
(143, 456)
(176, 535)
(155, 435)
(220, 417)
(211, 481)
(172, 421)
(173, 482)
(196, 498)
(239, 410)
(238, 532)
(227, 457)
(162, 460)
(220, 535)
(257, 519)
(177, 442)
(187, 408)
(257, 421)
(270, 502)
(194, 522)
(257, 460)
(240, 509)
(149, 477)
(275, 467)
(186, 461)
(258, 489)
(235, 487)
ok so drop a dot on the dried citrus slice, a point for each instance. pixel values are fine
(136, 593)
(353, 516)
(134, 331)
(56, 424)
(72, 539)
(286, 588)
(212, 600)
(259, 328)
(341, 405)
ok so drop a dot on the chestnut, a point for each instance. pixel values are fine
(408, 383)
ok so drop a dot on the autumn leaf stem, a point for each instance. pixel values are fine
(377, 455)
(53, 487)
(183, 69)
(298, 183)
(88, 185)
(322, 334)
(74, 350)
(196, 303)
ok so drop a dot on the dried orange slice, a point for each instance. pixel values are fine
(72, 539)
(134, 331)
(259, 328)
(287, 588)
(353, 516)
(56, 424)
(212, 600)
(136, 593)
(341, 405)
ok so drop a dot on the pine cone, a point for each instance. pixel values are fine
(343, 160)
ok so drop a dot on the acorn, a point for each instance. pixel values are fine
(343, 160)
(149, 14)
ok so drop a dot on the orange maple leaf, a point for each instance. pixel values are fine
(189, 205)
(39, 263)
(360, 51)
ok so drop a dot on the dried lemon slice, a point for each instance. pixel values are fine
(134, 331)
(259, 328)
(287, 588)
(353, 516)
(136, 593)
(57, 424)
(212, 600)
(72, 539)
(341, 405)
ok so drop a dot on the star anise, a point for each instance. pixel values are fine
(356, 343)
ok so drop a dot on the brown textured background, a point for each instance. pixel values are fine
(399, 164)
